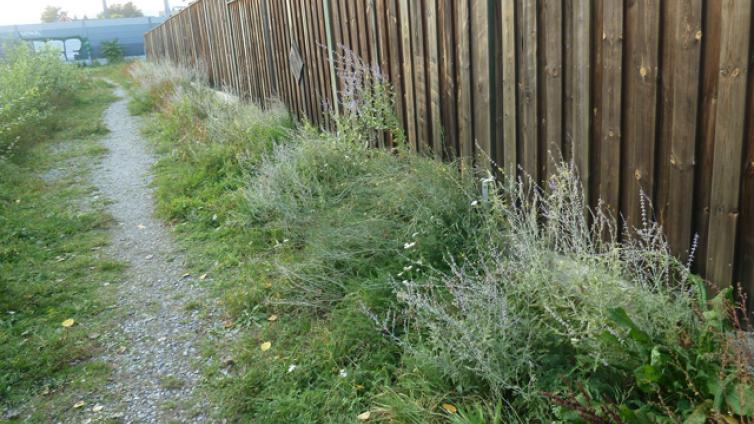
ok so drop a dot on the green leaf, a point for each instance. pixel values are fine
(699, 415)
(620, 316)
(740, 400)
(647, 377)
(633, 417)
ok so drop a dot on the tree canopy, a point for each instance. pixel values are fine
(125, 10)
(53, 14)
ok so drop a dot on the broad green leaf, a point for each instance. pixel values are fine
(740, 400)
(699, 415)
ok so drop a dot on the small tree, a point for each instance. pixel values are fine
(112, 51)
(125, 10)
(53, 14)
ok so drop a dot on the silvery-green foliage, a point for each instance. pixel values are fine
(367, 100)
(537, 298)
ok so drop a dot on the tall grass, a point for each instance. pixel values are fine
(32, 85)
(405, 292)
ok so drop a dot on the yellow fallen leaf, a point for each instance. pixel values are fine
(272, 318)
(69, 323)
(97, 408)
(364, 416)
(265, 346)
(450, 408)
(203, 277)
(268, 285)
(79, 404)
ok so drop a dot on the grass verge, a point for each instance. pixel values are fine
(53, 228)
(368, 284)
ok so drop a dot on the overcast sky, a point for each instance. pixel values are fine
(14, 12)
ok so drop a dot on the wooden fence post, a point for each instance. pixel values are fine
(268, 46)
(331, 56)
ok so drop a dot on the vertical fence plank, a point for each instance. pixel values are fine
(331, 55)
(745, 258)
(609, 108)
(396, 71)
(706, 129)
(408, 73)
(552, 85)
(640, 105)
(729, 126)
(483, 80)
(508, 44)
(447, 80)
(581, 91)
(527, 81)
(680, 76)
(433, 68)
(420, 76)
(463, 78)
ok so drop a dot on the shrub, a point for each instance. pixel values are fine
(32, 85)
(112, 51)
(368, 103)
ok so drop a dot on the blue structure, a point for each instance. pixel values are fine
(81, 39)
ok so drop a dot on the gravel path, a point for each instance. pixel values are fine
(154, 362)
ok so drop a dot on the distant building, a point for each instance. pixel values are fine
(81, 39)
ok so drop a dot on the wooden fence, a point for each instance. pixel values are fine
(649, 94)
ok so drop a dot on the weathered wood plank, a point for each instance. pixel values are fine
(447, 79)
(463, 81)
(508, 44)
(396, 70)
(745, 258)
(640, 106)
(528, 90)
(581, 91)
(706, 130)
(608, 141)
(680, 76)
(408, 73)
(552, 85)
(433, 69)
(332, 34)
(483, 80)
(420, 77)
(729, 127)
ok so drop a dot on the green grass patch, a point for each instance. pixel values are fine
(52, 263)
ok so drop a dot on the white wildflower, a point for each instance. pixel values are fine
(343, 373)
(292, 367)
(409, 245)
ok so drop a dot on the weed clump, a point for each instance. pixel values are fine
(566, 323)
(32, 86)
(357, 214)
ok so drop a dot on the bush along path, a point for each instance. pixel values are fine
(154, 374)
